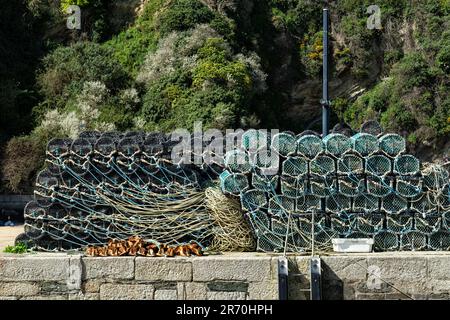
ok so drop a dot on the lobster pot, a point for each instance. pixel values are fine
(33, 211)
(91, 136)
(446, 220)
(80, 166)
(128, 147)
(435, 177)
(378, 165)
(305, 223)
(292, 187)
(300, 243)
(103, 211)
(406, 165)
(392, 144)
(266, 161)
(364, 143)
(351, 186)
(58, 147)
(365, 202)
(269, 242)
(281, 228)
(99, 230)
(394, 203)
(80, 214)
(281, 206)
(252, 200)
(444, 198)
(81, 148)
(35, 220)
(357, 235)
(259, 220)
(409, 188)
(413, 241)
(253, 140)
(34, 229)
(233, 183)
(183, 176)
(400, 223)
(67, 180)
(284, 144)
(439, 240)
(103, 164)
(153, 144)
(309, 146)
(337, 144)
(265, 183)
(238, 161)
(379, 187)
(324, 237)
(343, 223)
(323, 186)
(115, 135)
(369, 223)
(78, 233)
(428, 223)
(308, 203)
(338, 203)
(295, 166)
(322, 165)
(350, 164)
(126, 165)
(56, 166)
(385, 240)
(44, 189)
(106, 146)
(56, 230)
(424, 203)
(57, 212)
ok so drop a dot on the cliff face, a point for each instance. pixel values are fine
(163, 64)
(395, 74)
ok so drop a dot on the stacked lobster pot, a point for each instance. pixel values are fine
(293, 189)
(113, 185)
(298, 188)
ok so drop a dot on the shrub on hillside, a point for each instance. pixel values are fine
(23, 158)
(66, 69)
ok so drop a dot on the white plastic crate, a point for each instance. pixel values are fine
(352, 245)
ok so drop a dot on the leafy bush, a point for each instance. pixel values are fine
(23, 158)
(67, 68)
(183, 15)
(83, 115)
(132, 45)
(81, 3)
(17, 249)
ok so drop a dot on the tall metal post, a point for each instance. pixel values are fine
(325, 98)
(315, 267)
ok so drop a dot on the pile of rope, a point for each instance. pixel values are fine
(231, 231)
(136, 246)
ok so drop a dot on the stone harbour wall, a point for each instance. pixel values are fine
(235, 276)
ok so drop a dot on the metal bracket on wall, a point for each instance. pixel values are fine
(283, 278)
(316, 279)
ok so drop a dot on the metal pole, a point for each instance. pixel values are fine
(283, 278)
(325, 98)
(316, 279)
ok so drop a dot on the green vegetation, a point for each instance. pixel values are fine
(227, 63)
(17, 249)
